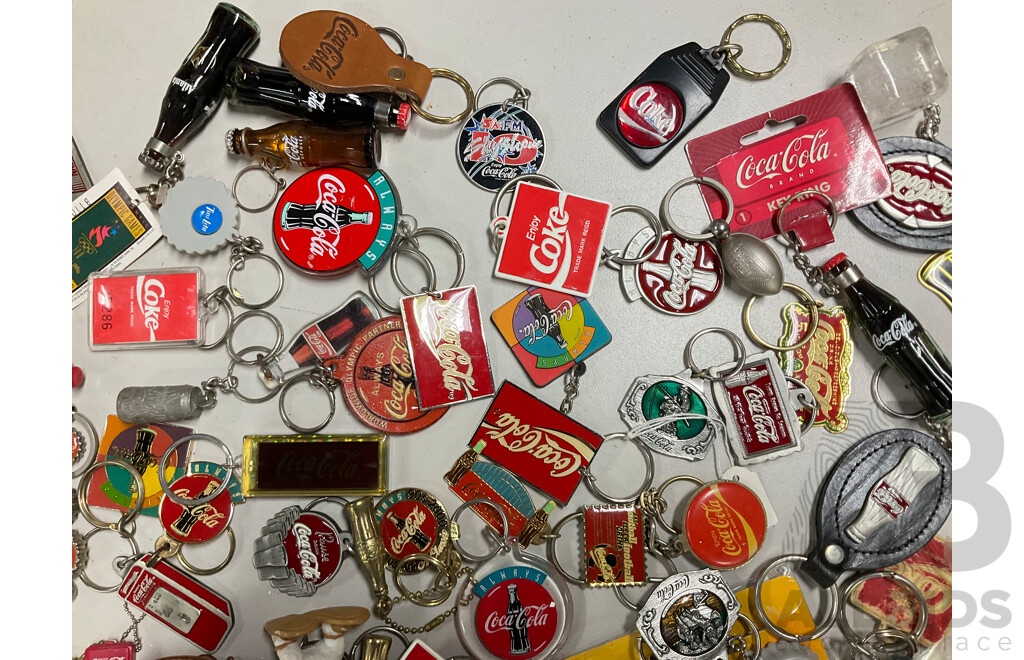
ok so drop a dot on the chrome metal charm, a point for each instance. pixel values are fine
(689, 617)
(651, 397)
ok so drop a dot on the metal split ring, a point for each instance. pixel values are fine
(805, 298)
(315, 382)
(466, 88)
(620, 592)
(262, 166)
(820, 630)
(412, 237)
(240, 265)
(504, 526)
(743, 72)
(591, 480)
(520, 98)
(217, 297)
(126, 516)
(886, 408)
(261, 351)
(726, 49)
(813, 404)
(666, 203)
(906, 583)
(86, 580)
(180, 554)
(659, 513)
(535, 178)
(553, 556)
(885, 633)
(402, 50)
(86, 454)
(442, 569)
(395, 632)
(652, 221)
(239, 320)
(752, 627)
(424, 261)
(777, 220)
(740, 354)
(190, 502)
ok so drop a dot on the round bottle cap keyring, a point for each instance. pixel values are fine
(229, 465)
(591, 481)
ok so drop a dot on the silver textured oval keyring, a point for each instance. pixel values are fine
(162, 469)
(731, 59)
(591, 480)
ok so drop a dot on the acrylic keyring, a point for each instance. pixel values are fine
(591, 481)
(831, 594)
(229, 464)
(266, 166)
(860, 641)
(84, 443)
(499, 222)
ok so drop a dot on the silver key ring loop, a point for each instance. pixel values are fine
(240, 265)
(504, 529)
(553, 556)
(402, 51)
(262, 352)
(820, 630)
(652, 221)
(591, 480)
(752, 632)
(535, 178)
(87, 454)
(906, 583)
(810, 402)
(659, 513)
(784, 233)
(271, 171)
(214, 302)
(521, 97)
(236, 356)
(311, 378)
(620, 592)
(127, 516)
(180, 554)
(86, 580)
(221, 487)
(460, 256)
(886, 408)
(394, 632)
(865, 648)
(424, 261)
(740, 354)
(666, 203)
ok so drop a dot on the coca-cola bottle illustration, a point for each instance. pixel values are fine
(540, 310)
(417, 538)
(141, 455)
(324, 216)
(518, 624)
(190, 515)
(899, 337)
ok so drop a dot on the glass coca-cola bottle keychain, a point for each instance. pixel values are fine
(669, 98)
(500, 141)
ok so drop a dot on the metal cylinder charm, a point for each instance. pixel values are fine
(376, 647)
(159, 403)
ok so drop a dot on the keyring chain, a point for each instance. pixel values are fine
(156, 193)
(133, 629)
(440, 618)
(572, 386)
(929, 127)
(815, 276)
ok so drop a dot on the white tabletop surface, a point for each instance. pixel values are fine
(574, 57)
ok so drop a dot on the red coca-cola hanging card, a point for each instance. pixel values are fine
(536, 442)
(553, 239)
(821, 143)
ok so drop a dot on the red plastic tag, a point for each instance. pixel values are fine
(554, 239)
(447, 347)
(832, 150)
(145, 307)
(536, 442)
(181, 603)
(110, 651)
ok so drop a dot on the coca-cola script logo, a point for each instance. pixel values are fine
(760, 415)
(456, 362)
(890, 499)
(151, 302)
(682, 277)
(922, 191)
(554, 449)
(900, 328)
(725, 524)
(313, 548)
(802, 152)
(328, 58)
(650, 115)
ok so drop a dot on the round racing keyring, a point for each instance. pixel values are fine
(500, 141)
(733, 51)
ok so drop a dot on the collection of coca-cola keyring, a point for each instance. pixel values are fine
(399, 368)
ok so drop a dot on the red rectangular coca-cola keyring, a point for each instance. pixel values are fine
(830, 149)
(536, 442)
(445, 335)
(553, 239)
(145, 308)
(187, 606)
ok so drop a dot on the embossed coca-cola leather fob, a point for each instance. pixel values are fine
(883, 501)
(664, 102)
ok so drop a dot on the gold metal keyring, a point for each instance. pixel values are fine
(466, 88)
(805, 298)
(733, 63)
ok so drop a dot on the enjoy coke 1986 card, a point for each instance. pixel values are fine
(145, 308)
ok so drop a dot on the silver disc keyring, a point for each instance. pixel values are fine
(240, 265)
(127, 516)
(236, 357)
(314, 382)
(777, 220)
(190, 502)
(666, 203)
(231, 372)
(740, 354)
(422, 258)
(591, 480)
(652, 221)
(818, 631)
(519, 179)
(86, 580)
(460, 257)
(279, 184)
(504, 526)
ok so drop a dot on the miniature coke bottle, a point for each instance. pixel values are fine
(198, 86)
(306, 144)
(898, 337)
(252, 83)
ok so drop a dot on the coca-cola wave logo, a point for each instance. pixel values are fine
(650, 115)
(150, 297)
(554, 250)
(456, 363)
(802, 152)
(553, 448)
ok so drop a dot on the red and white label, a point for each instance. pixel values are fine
(922, 191)
(200, 522)
(447, 347)
(318, 342)
(313, 548)
(681, 277)
(890, 499)
(759, 411)
(517, 618)
(554, 239)
(649, 115)
(832, 150)
(149, 307)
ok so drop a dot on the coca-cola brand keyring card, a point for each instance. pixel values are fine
(145, 309)
(536, 442)
(831, 150)
(553, 239)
